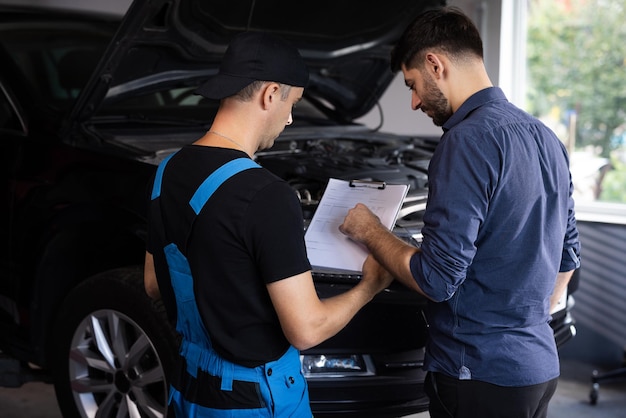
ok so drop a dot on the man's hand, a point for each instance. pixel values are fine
(376, 275)
(149, 278)
(359, 221)
(393, 254)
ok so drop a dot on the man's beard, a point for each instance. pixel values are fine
(436, 102)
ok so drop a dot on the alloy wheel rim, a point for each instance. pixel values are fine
(115, 370)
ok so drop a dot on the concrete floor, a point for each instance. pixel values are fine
(36, 400)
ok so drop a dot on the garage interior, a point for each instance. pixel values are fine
(600, 311)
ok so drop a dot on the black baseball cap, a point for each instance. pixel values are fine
(253, 56)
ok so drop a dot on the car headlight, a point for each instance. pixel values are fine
(339, 365)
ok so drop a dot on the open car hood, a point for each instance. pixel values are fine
(346, 45)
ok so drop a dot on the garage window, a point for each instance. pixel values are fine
(576, 61)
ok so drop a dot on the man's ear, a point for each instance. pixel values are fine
(434, 65)
(270, 93)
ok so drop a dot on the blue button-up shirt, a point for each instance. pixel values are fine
(499, 225)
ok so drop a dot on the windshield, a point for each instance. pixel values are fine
(53, 64)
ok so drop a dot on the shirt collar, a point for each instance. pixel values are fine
(473, 102)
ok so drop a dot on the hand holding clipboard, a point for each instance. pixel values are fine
(326, 246)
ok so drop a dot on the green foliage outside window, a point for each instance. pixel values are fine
(577, 76)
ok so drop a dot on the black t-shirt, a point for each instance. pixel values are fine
(249, 233)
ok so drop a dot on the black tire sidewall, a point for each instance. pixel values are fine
(118, 290)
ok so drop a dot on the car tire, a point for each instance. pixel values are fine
(113, 348)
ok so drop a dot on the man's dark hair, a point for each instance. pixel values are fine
(445, 29)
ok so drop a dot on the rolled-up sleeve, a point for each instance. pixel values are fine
(431, 280)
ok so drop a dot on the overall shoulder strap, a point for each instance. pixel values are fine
(210, 184)
(158, 178)
(219, 176)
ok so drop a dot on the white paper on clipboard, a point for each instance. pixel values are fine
(326, 246)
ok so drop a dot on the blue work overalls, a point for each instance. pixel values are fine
(283, 389)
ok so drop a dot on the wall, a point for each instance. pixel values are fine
(600, 311)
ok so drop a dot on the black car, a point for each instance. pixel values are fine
(90, 104)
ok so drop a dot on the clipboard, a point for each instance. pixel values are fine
(327, 247)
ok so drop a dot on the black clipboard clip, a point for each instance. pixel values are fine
(366, 183)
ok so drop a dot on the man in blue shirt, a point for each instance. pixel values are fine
(500, 242)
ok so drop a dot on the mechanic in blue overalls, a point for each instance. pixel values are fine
(226, 249)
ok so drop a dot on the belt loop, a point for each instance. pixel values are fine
(228, 370)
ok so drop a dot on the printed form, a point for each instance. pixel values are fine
(326, 246)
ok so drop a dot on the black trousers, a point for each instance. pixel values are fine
(450, 397)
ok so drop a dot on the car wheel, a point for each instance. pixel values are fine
(113, 348)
